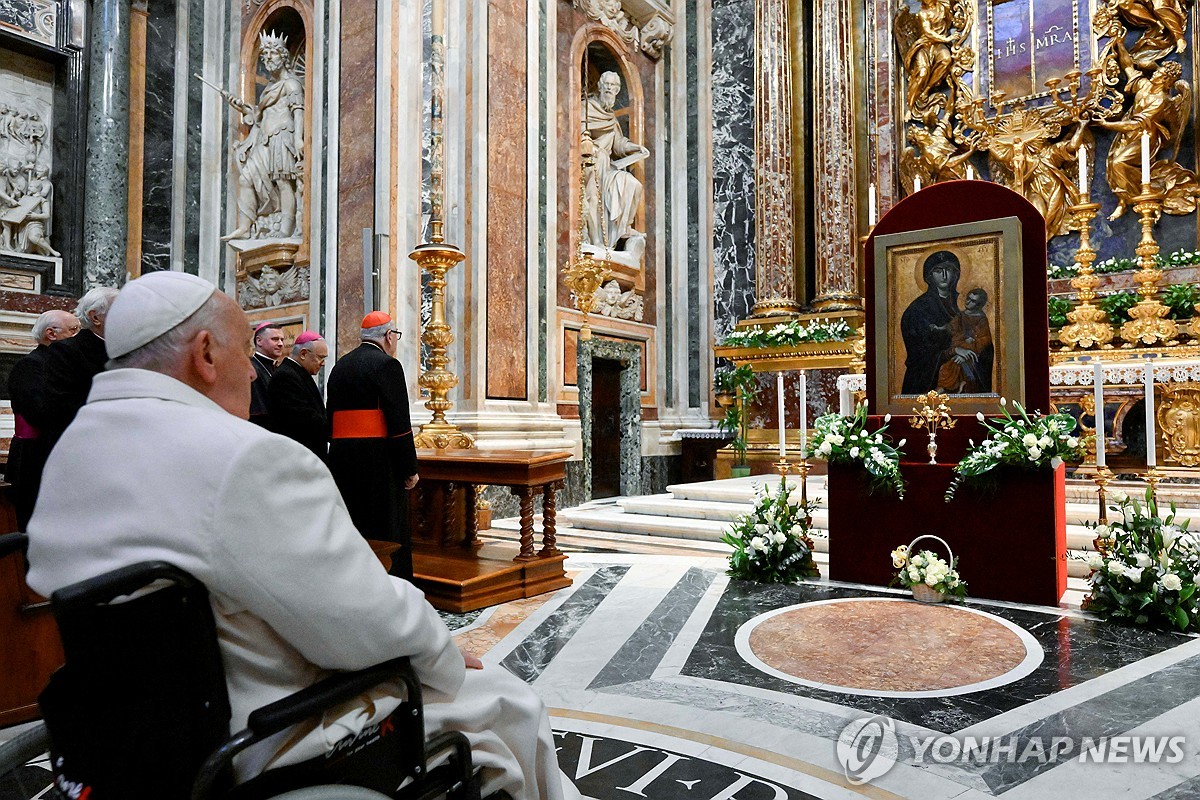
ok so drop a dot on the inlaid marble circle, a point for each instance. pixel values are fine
(888, 647)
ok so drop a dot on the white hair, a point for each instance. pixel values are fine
(164, 353)
(97, 300)
(44, 323)
(311, 344)
(378, 333)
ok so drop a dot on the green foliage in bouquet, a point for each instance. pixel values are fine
(1181, 298)
(930, 569)
(1145, 570)
(1027, 441)
(770, 543)
(1117, 306)
(1059, 308)
(845, 440)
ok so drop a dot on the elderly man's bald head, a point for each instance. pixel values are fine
(55, 325)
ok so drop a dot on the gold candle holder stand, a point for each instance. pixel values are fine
(1148, 324)
(1102, 478)
(437, 258)
(802, 468)
(584, 274)
(1089, 326)
(933, 413)
(1152, 477)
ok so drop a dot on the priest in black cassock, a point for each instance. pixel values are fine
(268, 349)
(371, 452)
(293, 399)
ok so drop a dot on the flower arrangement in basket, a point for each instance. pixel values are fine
(1028, 441)
(1144, 570)
(771, 543)
(931, 578)
(846, 440)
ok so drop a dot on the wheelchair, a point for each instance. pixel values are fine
(140, 708)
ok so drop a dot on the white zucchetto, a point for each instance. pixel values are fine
(150, 306)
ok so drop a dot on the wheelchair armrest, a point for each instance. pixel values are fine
(12, 542)
(314, 700)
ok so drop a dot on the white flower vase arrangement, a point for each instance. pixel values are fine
(788, 334)
(771, 543)
(931, 578)
(1144, 572)
(1026, 441)
(846, 440)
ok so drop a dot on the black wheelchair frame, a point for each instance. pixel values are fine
(151, 662)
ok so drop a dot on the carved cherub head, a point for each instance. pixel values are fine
(268, 280)
(611, 293)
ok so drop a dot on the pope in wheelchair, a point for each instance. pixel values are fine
(161, 470)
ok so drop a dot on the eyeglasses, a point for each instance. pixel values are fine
(399, 334)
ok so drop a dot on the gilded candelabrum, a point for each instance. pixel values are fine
(1089, 326)
(1103, 477)
(437, 258)
(1152, 477)
(1148, 324)
(784, 467)
(584, 274)
(932, 412)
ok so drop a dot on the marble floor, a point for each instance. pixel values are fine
(666, 679)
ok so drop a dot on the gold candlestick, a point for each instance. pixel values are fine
(437, 258)
(932, 412)
(1102, 478)
(1148, 323)
(802, 469)
(1089, 324)
(1152, 477)
(584, 274)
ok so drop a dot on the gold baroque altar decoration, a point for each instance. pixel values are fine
(1032, 142)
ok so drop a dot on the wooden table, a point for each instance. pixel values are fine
(450, 563)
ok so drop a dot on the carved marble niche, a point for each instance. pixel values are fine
(41, 155)
(610, 195)
(645, 24)
(272, 178)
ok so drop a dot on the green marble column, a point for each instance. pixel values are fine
(106, 196)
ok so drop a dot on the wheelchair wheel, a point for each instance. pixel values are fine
(331, 792)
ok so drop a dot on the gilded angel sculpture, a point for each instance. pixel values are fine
(1163, 23)
(925, 46)
(1161, 106)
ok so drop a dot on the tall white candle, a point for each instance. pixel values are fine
(1083, 175)
(803, 412)
(872, 210)
(846, 408)
(1151, 438)
(1145, 158)
(970, 172)
(779, 393)
(916, 184)
(1098, 399)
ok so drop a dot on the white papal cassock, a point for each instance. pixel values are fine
(151, 469)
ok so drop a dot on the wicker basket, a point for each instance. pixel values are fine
(923, 592)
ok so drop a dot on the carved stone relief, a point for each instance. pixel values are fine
(651, 36)
(618, 304)
(1179, 421)
(26, 191)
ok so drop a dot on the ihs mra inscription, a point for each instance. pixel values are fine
(1055, 35)
(610, 768)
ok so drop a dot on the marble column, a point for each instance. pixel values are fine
(775, 279)
(106, 185)
(834, 163)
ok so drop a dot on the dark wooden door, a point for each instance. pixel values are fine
(606, 428)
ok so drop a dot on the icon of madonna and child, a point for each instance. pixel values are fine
(948, 346)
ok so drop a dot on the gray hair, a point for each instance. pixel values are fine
(163, 353)
(98, 300)
(44, 323)
(378, 333)
(297, 349)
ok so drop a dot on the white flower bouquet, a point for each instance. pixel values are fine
(1026, 441)
(846, 440)
(1144, 570)
(929, 570)
(786, 334)
(771, 543)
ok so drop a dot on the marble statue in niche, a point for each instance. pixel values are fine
(272, 287)
(612, 194)
(618, 304)
(271, 156)
(26, 192)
